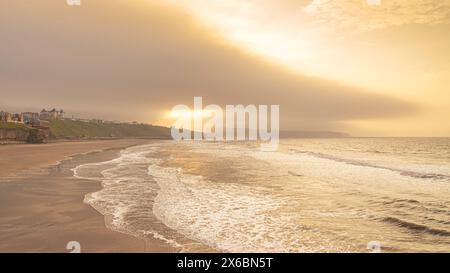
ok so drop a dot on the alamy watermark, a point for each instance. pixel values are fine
(373, 2)
(374, 246)
(73, 247)
(73, 2)
(235, 123)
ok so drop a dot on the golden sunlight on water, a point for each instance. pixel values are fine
(310, 196)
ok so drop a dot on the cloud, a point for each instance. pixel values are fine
(132, 61)
(369, 15)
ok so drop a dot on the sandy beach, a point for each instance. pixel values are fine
(22, 160)
(41, 203)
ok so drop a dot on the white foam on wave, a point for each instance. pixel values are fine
(345, 174)
(228, 217)
(126, 196)
(324, 178)
(240, 217)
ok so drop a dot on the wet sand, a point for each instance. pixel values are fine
(25, 160)
(45, 211)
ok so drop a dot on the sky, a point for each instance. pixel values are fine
(365, 67)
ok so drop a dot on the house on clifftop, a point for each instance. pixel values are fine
(52, 114)
(5, 116)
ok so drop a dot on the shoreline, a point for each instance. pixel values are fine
(26, 160)
(42, 210)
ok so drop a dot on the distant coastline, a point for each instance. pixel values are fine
(54, 125)
(313, 134)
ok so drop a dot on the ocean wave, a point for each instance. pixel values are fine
(370, 165)
(416, 227)
(126, 196)
(233, 217)
(294, 174)
(396, 201)
(230, 213)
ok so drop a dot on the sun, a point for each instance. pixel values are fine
(190, 114)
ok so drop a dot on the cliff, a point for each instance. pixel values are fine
(73, 129)
(81, 129)
(13, 132)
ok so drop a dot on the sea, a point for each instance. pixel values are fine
(311, 195)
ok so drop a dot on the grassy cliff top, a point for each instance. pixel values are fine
(80, 129)
(10, 125)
